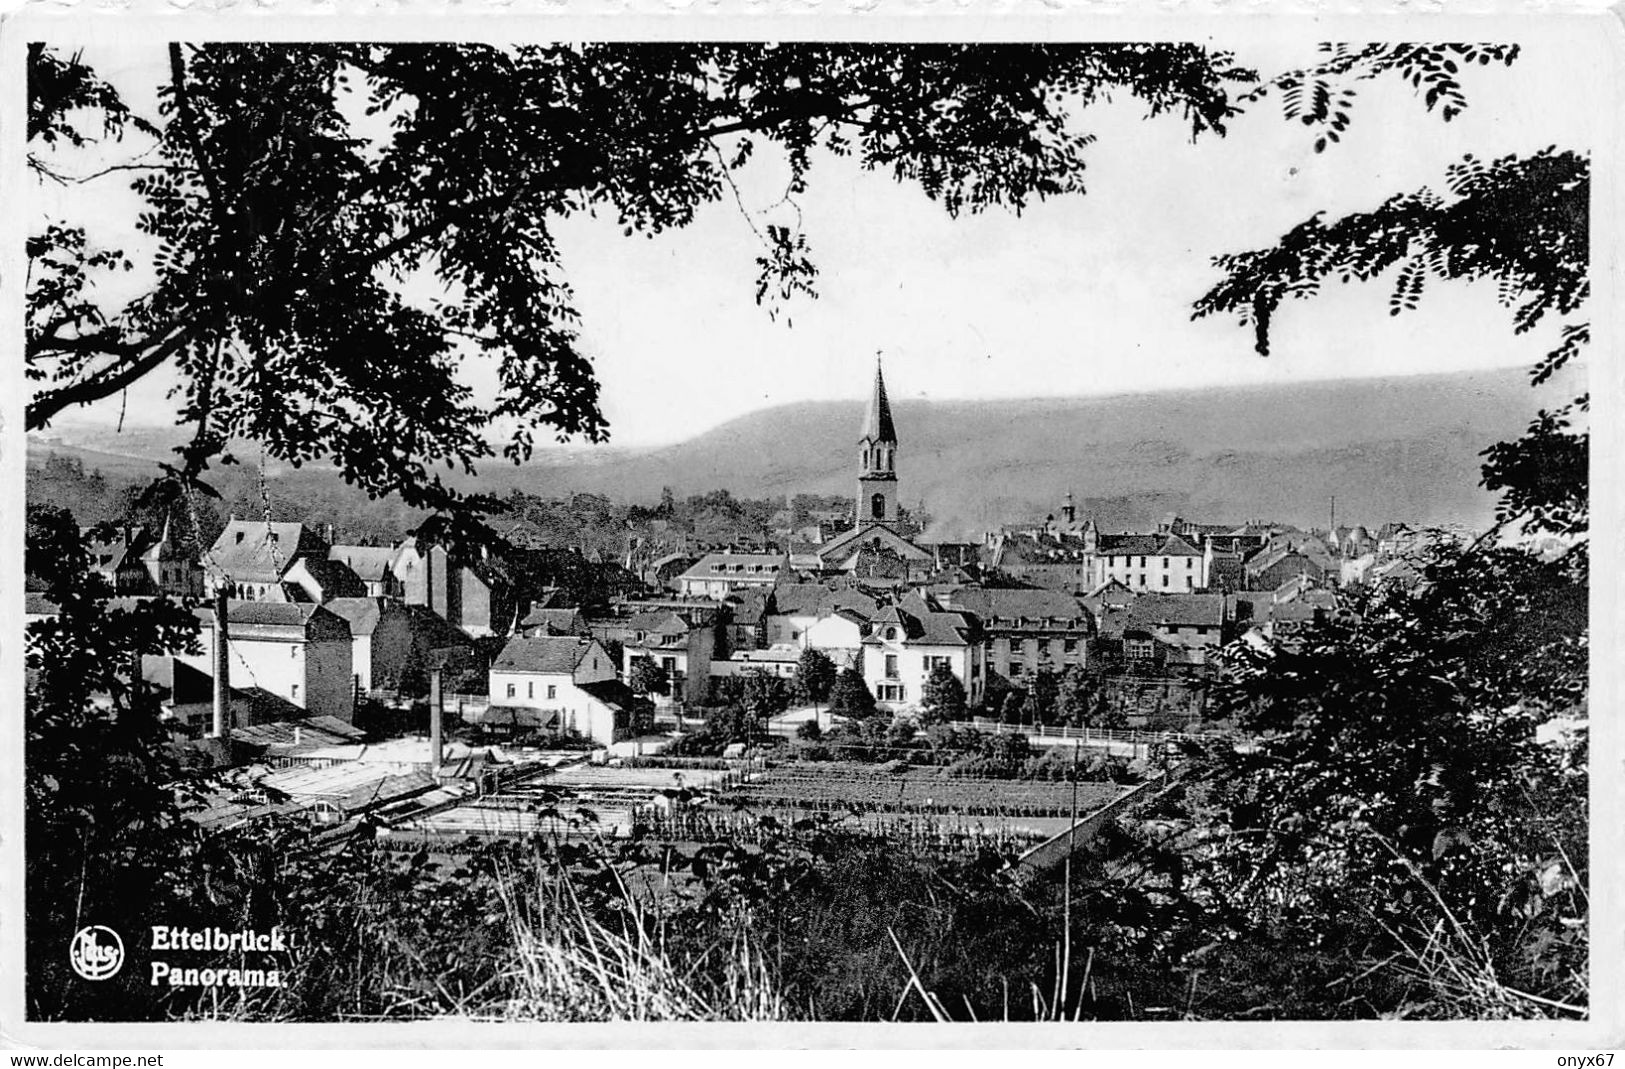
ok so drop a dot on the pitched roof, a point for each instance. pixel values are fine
(848, 544)
(877, 423)
(553, 655)
(660, 622)
(362, 614)
(1015, 603)
(36, 604)
(335, 578)
(923, 624)
(253, 551)
(816, 599)
(1145, 545)
(554, 621)
(1177, 610)
(370, 563)
(726, 565)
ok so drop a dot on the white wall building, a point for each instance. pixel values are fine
(908, 641)
(559, 684)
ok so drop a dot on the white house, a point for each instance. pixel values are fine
(907, 641)
(295, 650)
(558, 684)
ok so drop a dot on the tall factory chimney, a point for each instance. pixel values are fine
(222, 669)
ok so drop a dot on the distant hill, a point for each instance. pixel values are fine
(1397, 448)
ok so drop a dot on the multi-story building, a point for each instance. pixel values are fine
(716, 575)
(678, 644)
(558, 684)
(1161, 563)
(909, 640)
(1026, 631)
(295, 650)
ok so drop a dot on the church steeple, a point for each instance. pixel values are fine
(877, 424)
(877, 473)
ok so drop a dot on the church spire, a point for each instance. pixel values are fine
(877, 458)
(877, 424)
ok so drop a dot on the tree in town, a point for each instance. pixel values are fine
(815, 676)
(648, 676)
(1040, 704)
(850, 696)
(943, 697)
(764, 695)
(1010, 710)
(1077, 698)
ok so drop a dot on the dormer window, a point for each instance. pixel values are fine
(239, 538)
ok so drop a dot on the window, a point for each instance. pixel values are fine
(1142, 562)
(552, 691)
(1164, 580)
(294, 693)
(1069, 645)
(891, 633)
(1190, 562)
(530, 690)
(1015, 669)
(293, 652)
(877, 506)
(891, 666)
(889, 692)
(510, 690)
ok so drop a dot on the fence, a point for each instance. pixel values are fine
(1047, 734)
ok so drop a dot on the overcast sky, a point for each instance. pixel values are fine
(1082, 295)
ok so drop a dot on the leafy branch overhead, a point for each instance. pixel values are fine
(298, 191)
(1322, 97)
(1520, 222)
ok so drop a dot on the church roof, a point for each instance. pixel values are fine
(877, 424)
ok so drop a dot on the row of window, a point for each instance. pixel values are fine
(1190, 562)
(1139, 580)
(721, 568)
(1007, 647)
(530, 690)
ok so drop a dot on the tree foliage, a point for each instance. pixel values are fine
(815, 675)
(850, 696)
(1398, 804)
(943, 697)
(103, 830)
(297, 187)
(648, 676)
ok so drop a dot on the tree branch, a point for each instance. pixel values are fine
(48, 403)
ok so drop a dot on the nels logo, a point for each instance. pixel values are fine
(96, 953)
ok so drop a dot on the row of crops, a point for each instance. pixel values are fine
(843, 791)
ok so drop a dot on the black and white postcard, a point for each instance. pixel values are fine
(1044, 527)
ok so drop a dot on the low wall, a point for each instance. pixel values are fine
(1055, 850)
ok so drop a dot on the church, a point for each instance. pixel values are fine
(874, 548)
